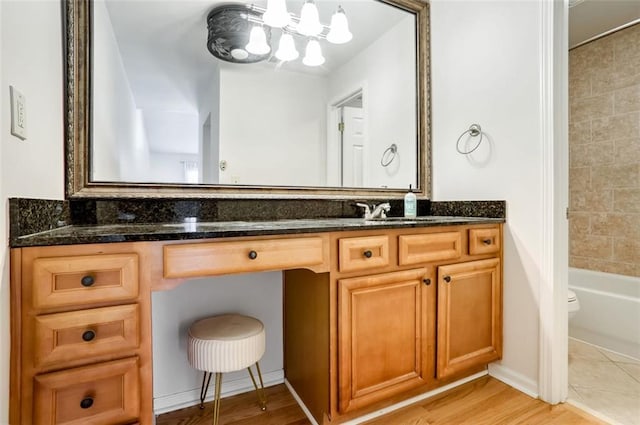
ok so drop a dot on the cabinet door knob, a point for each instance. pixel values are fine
(427, 281)
(88, 335)
(368, 253)
(86, 403)
(87, 281)
(447, 279)
(253, 255)
(486, 241)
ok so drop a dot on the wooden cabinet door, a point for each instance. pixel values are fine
(469, 315)
(383, 336)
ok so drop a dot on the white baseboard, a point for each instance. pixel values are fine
(300, 403)
(192, 397)
(389, 409)
(514, 379)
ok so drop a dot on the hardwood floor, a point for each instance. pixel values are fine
(485, 401)
(243, 409)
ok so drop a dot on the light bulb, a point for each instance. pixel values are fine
(309, 21)
(313, 54)
(287, 48)
(339, 31)
(239, 54)
(258, 42)
(276, 15)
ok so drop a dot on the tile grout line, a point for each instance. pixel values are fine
(580, 398)
(620, 367)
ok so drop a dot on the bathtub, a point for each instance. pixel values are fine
(609, 314)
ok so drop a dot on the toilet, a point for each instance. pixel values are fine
(574, 305)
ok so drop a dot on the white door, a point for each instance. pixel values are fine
(353, 147)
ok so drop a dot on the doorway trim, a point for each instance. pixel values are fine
(554, 266)
(333, 149)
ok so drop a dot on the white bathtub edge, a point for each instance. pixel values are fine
(609, 314)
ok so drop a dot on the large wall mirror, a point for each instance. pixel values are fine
(269, 98)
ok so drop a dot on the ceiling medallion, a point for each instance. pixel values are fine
(229, 28)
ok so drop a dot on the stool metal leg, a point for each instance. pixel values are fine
(204, 388)
(262, 400)
(216, 402)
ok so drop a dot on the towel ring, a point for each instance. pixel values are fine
(474, 131)
(389, 154)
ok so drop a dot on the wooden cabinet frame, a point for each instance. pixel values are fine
(319, 343)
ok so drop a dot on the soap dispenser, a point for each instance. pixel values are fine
(410, 204)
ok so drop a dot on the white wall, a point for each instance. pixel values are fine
(389, 101)
(485, 64)
(168, 167)
(209, 108)
(115, 118)
(255, 144)
(134, 160)
(31, 60)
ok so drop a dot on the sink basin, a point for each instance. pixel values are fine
(419, 218)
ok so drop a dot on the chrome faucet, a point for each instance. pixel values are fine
(379, 211)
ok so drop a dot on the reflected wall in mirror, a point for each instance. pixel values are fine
(152, 108)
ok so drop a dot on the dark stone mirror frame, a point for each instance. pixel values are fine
(77, 79)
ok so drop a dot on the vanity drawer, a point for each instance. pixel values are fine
(80, 280)
(218, 258)
(83, 334)
(426, 248)
(484, 241)
(105, 393)
(363, 253)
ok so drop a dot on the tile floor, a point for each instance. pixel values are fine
(605, 381)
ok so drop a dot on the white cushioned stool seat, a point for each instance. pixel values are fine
(225, 343)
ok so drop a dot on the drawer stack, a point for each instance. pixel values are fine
(81, 338)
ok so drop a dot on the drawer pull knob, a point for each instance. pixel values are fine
(368, 253)
(88, 335)
(86, 402)
(447, 279)
(486, 241)
(253, 255)
(87, 281)
(427, 281)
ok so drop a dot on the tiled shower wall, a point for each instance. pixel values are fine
(604, 143)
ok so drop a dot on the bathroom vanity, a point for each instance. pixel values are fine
(374, 312)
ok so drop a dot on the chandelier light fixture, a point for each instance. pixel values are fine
(287, 48)
(242, 33)
(276, 15)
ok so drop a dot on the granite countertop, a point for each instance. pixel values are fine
(84, 234)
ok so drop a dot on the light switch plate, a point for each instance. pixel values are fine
(18, 113)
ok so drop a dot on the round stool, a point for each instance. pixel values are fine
(226, 343)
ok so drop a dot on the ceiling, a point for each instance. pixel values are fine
(592, 18)
(165, 40)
